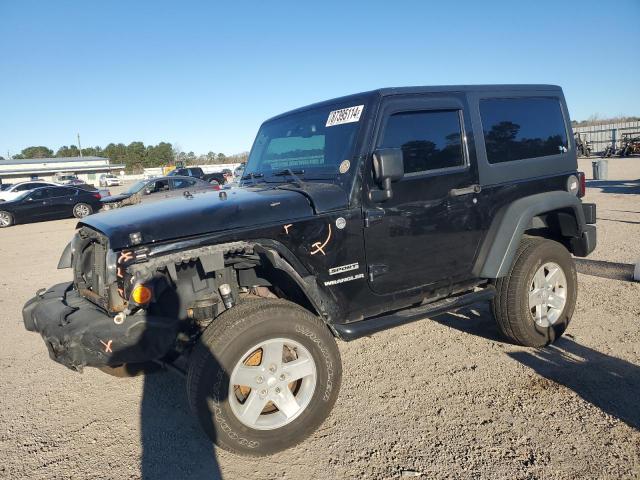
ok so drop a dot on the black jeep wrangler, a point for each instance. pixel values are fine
(354, 215)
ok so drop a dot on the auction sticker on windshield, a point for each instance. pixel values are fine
(344, 115)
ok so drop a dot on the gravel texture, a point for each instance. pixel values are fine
(440, 398)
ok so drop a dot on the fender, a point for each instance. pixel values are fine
(502, 240)
(282, 259)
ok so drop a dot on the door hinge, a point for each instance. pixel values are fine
(376, 270)
(373, 216)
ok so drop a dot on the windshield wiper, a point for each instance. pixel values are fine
(293, 174)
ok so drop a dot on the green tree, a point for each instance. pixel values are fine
(70, 151)
(36, 152)
(135, 156)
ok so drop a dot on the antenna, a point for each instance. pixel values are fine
(79, 146)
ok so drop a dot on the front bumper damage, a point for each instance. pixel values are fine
(79, 333)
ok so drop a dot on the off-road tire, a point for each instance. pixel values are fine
(511, 303)
(78, 206)
(10, 217)
(219, 350)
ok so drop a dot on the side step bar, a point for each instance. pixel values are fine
(369, 326)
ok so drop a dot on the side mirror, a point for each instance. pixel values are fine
(388, 167)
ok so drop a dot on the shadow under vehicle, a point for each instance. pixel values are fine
(353, 215)
(49, 203)
(160, 188)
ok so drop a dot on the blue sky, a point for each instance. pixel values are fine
(205, 75)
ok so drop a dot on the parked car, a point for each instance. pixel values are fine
(196, 172)
(356, 214)
(17, 189)
(159, 188)
(109, 180)
(48, 203)
(239, 171)
(5, 186)
(67, 179)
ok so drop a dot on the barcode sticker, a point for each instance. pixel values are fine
(344, 115)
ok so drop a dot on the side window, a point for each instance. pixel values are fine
(430, 140)
(40, 194)
(183, 183)
(159, 186)
(519, 128)
(62, 192)
(25, 186)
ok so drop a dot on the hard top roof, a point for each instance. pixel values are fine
(387, 91)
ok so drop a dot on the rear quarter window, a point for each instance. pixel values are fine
(521, 128)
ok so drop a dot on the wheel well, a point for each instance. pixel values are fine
(560, 225)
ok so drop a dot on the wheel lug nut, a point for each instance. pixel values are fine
(277, 389)
(259, 379)
(263, 392)
(273, 368)
(282, 376)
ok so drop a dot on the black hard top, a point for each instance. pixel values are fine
(387, 91)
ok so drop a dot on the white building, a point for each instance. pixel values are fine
(87, 169)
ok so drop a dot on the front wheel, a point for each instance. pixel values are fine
(264, 376)
(81, 210)
(6, 219)
(535, 300)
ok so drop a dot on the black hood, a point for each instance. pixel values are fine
(215, 211)
(115, 198)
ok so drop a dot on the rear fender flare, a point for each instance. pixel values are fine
(502, 240)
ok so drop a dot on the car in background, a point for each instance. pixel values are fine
(157, 189)
(48, 203)
(219, 178)
(67, 179)
(17, 189)
(109, 180)
(239, 171)
(5, 186)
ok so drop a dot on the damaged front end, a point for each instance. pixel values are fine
(133, 305)
(78, 333)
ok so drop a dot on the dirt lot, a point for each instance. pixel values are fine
(442, 398)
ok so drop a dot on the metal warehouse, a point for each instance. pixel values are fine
(87, 169)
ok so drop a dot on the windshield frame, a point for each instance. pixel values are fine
(310, 174)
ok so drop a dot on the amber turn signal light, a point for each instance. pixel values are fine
(141, 295)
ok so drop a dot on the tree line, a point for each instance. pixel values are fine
(136, 156)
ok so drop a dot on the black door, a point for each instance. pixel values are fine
(36, 205)
(427, 234)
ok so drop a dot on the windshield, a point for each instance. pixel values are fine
(136, 187)
(316, 143)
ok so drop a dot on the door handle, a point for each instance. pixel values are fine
(456, 192)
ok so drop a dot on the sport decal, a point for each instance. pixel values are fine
(344, 279)
(344, 115)
(319, 247)
(344, 268)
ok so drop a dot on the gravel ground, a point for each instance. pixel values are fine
(441, 398)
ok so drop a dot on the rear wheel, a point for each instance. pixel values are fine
(264, 376)
(81, 210)
(536, 299)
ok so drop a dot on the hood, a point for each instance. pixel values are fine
(213, 212)
(115, 198)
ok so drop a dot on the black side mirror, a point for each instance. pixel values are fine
(388, 167)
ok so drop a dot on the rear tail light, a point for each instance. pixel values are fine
(582, 184)
(97, 196)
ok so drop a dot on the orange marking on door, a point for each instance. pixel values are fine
(320, 247)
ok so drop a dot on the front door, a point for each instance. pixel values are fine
(427, 234)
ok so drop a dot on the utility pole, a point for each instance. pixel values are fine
(79, 146)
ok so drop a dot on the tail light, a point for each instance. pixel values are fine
(582, 184)
(97, 195)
